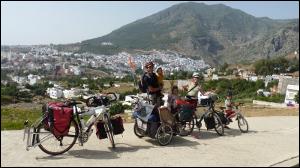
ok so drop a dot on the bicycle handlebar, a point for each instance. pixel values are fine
(114, 94)
(71, 103)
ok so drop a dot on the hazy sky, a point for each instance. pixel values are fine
(27, 23)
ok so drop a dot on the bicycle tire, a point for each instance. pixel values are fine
(239, 116)
(219, 124)
(73, 133)
(109, 131)
(163, 131)
(187, 124)
(136, 130)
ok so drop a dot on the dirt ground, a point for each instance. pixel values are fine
(270, 141)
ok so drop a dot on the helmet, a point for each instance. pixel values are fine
(196, 75)
(148, 64)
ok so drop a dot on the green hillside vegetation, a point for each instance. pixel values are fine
(216, 33)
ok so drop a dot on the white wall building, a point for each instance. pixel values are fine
(73, 92)
(215, 77)
(55, 93)
(33, 79)
(291, 91)
(253, 78)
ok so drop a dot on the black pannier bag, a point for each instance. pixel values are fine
(152, 128)
(101, 134)
(209, 121)
(222, 117)
(117, 124)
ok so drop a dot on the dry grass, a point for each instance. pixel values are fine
(250, 110)
(256, 111)
(124, 87)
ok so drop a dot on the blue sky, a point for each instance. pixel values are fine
(25, 23)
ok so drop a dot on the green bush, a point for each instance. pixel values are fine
(242, 89)
(297, 97)
(133, 92)
(116, 108)
(278, 98)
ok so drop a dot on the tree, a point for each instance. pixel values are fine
(297, 97)
(224, 67)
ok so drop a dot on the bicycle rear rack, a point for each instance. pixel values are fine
(30, 135)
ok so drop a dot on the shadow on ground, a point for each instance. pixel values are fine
(210, 134)
(176, 141)
(98, 154)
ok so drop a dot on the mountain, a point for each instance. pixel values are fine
(215, 33)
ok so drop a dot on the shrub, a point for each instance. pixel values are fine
(278, 98)
(297, 97)
(116, 108)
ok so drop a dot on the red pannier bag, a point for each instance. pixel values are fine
(59, 118)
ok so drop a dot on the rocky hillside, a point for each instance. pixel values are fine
(216, 33)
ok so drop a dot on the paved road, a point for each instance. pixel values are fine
(272, 141)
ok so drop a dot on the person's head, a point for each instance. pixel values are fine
(174, 90)
(159, 70)
(195, 77)
(149, 67)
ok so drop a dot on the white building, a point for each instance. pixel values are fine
(284, 81)
(55, 93)
(19, 79)
(253, 78)
(33, 79)
(291, 91)
(215, 77)
(73, 92)
(75, 70)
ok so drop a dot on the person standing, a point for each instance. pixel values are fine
(149, 79)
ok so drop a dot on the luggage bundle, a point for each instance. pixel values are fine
(117, 127)
(58, 118)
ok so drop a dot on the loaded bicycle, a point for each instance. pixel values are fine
(56, 136)
(211, 117)
(236, 112)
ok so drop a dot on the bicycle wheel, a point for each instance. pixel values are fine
(218, 124)
(109, 130)
(137, 130)
(56, 145)
(164, 134)
(187, 127)
(242, 123)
